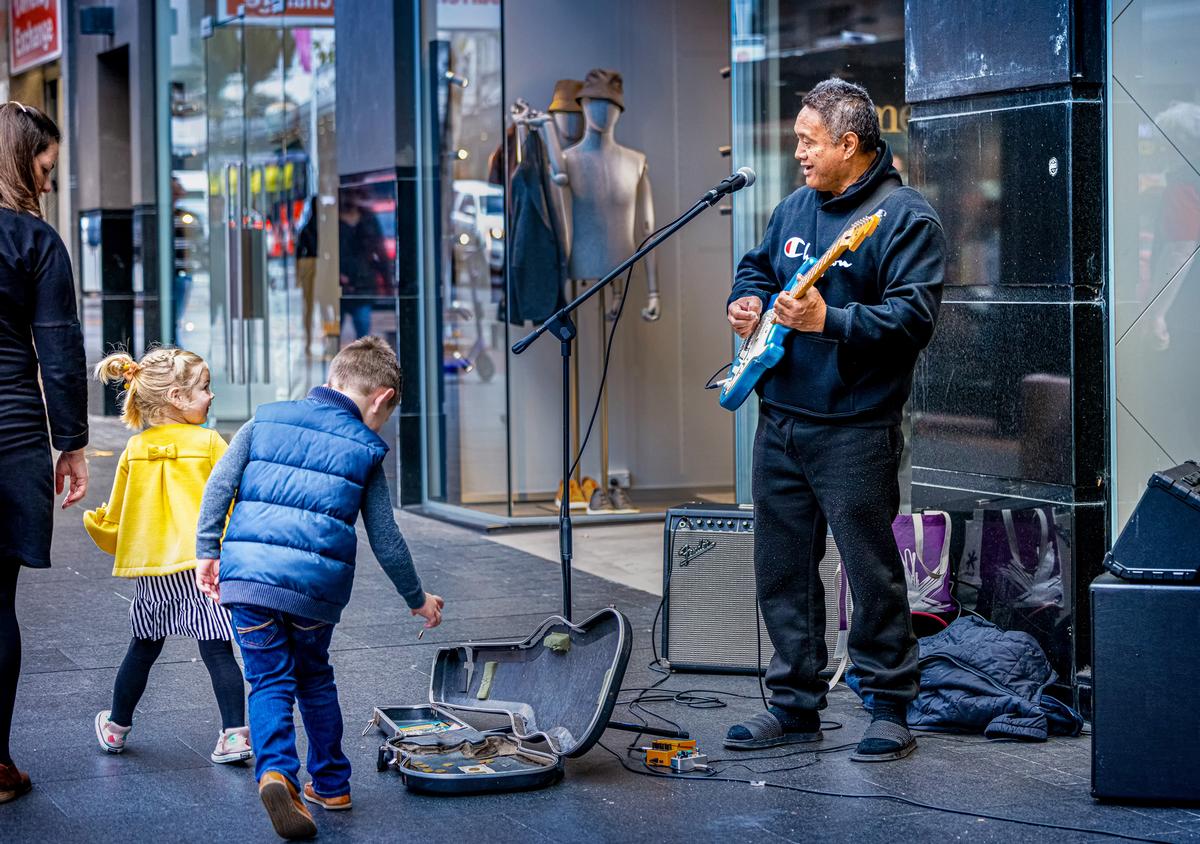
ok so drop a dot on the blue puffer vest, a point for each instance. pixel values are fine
(291, 543)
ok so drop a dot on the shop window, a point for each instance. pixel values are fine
(503, 129)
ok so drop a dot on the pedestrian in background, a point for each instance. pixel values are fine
(301, 473)
(149, 525)
(40, 341)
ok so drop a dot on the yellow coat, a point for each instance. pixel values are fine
(149, 521)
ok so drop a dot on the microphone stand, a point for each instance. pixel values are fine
(564, 329)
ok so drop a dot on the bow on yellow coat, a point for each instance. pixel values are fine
(160, 452)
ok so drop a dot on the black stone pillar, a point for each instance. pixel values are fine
(113, 230)
(378, 133)
(1010, 430)
(147, 257)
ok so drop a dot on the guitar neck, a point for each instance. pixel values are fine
(810, 278)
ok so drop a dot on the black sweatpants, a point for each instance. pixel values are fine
(809, 477)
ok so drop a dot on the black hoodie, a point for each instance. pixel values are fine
(882, 300)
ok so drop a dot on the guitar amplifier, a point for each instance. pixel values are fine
(710, 607)
(1152, 547)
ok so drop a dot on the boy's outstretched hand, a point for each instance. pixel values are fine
(207, 573)
(431, 611)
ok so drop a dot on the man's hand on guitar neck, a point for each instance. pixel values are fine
(743, 315)
(804, 314)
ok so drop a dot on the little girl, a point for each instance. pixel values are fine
(149, 525)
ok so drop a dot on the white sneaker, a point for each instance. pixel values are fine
(232, 746)
(111, 736)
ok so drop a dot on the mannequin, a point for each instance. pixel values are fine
(605, 209)
(611, 211)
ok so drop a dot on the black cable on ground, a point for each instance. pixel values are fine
(712, 699)
(648, 772)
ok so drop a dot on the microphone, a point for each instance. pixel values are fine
(743, 178)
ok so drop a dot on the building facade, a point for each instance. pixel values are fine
(265, 181)
(33, 43)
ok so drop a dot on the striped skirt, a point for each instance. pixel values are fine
(171, 605)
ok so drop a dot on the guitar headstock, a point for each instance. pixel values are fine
(862, 229)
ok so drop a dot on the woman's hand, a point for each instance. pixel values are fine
(73, 465)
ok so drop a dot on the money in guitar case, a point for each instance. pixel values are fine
(503, 716)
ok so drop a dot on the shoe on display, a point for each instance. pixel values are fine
(578, 502)
(588, 486)
(600, 504)
(621, 502)
(232, 746)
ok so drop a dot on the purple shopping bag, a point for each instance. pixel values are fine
(924, 543)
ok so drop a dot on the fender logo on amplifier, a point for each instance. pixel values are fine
(688, 553)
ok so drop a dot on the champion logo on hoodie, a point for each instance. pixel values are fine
(794, 246)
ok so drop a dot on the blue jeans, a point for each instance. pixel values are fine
(286, 661)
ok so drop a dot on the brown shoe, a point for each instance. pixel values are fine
(288, 815)
(333, 804)
(13, 783)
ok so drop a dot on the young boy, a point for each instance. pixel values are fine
(301, 472)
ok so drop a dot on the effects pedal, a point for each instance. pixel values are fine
(686, 761)
(680, 755)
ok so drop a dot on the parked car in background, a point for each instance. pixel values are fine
(478, 210)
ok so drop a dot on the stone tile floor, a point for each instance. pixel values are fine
(164, 788)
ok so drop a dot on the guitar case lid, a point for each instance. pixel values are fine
(559, 685)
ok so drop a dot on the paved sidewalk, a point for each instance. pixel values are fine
(165, 789)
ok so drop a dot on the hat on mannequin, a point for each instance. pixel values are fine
(601, 84)
(566, 93)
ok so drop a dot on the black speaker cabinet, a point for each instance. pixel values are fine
(710, 609)
(1146, 674)
(1150, 546)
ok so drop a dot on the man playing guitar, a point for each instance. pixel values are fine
(828, 447)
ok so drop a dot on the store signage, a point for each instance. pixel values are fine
(268, 12)
(468, 14)
(34, 33)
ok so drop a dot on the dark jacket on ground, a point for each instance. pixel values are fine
(976, 677)
(37, 312)
(882, 300)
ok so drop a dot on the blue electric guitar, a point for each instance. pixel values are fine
(764, 347)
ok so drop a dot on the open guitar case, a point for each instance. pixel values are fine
(552, 694)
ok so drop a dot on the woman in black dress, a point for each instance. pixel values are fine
(37, 312)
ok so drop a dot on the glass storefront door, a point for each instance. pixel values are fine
(497, 240)
(264, 314)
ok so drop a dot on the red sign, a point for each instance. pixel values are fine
(34, 33)
(294, 12)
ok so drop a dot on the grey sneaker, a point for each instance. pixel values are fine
(621, 502)
(600, 503)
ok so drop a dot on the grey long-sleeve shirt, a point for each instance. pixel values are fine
(378, 517)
